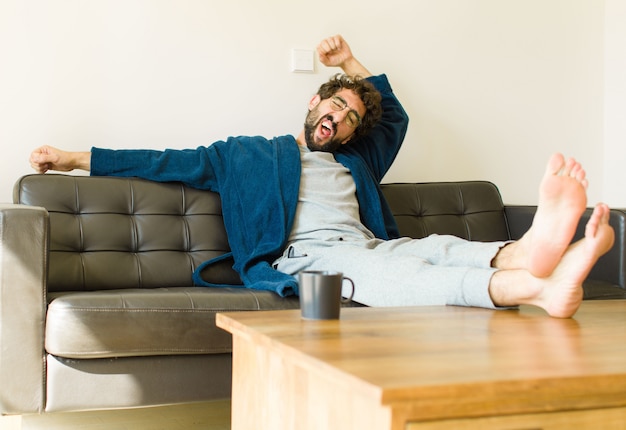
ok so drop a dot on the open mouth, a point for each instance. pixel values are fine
(327, 128)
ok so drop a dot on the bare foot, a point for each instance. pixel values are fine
(562, 201)
(561, 293)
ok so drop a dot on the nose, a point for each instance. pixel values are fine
(340, 116)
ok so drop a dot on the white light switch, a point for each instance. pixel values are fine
(302, 60)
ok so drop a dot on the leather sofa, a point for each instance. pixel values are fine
(97, 306)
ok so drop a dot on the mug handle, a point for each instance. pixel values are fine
(348, 299)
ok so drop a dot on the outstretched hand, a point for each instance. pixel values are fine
(47, 158)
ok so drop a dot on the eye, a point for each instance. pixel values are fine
(336, 104)
(352, 119)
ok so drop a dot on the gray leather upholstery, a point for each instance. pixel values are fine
(124, 233)
(472, 210)
(97, 305)
(23, 264)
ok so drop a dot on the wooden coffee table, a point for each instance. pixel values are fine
(430, 368)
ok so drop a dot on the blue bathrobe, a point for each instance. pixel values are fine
(258, 181)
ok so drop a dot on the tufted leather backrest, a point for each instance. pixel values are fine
(472, 210)
(109, 233)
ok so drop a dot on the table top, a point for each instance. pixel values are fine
(443, 353)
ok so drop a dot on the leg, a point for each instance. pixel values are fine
(562, 200)
(559, 294)
(388, 273)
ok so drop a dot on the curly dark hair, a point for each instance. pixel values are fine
(365, 90)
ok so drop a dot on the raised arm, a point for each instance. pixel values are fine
(335, 52)
(381, 145)
(47, 158)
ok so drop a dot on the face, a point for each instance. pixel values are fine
(329, 124)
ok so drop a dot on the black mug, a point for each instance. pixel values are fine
(320, 294)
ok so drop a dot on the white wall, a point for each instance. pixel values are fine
(615, 103)
(492, 86)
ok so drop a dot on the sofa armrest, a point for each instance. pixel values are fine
(23, 272)
(611, 267)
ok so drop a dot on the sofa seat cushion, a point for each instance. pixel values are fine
(594, 289)
(142, 322)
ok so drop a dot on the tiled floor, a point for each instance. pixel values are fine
(206, 416)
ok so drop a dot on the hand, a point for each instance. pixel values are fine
(335, 52)
(48, 158)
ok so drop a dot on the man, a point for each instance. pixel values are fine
(313, 202)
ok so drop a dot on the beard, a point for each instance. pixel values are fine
(311, 124)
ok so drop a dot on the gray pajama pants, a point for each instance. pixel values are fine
(436, 270)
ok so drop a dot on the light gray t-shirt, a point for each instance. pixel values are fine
(327, 204)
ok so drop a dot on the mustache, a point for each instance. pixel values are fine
(333, 124)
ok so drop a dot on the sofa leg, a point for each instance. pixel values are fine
(10, 422)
